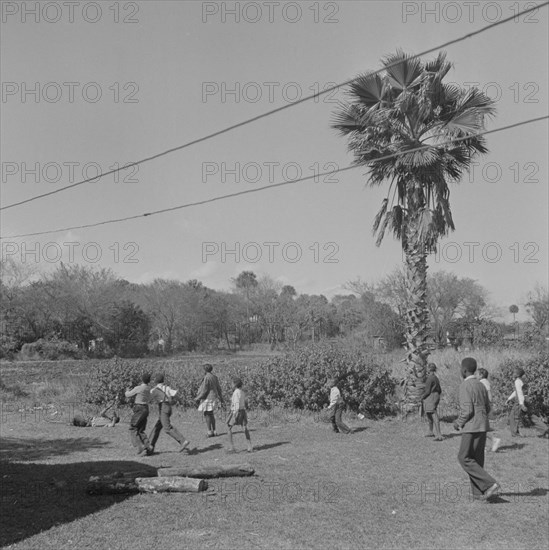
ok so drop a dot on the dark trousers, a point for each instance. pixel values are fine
(514, 418)
(337, 423)
(516, 415)
(138, 423)
(471, 458)
(163, 422)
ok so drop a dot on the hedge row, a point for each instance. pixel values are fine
(296, 380)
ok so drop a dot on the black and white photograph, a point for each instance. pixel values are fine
(274, 274)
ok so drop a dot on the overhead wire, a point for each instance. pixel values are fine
(271, 112)
(279, 184)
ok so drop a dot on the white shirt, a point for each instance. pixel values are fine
(238, 400)
(518, 392)
(335, 397)
(486, 384)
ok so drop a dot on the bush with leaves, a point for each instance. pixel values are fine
(298, 380)
(108, 380)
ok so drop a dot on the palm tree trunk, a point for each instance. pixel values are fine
(417, 322)
(417, 314)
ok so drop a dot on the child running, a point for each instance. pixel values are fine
(238, 415)
(163, 395)
(138, 423)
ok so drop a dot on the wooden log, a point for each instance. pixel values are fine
(174, 484)
(208, 472)
(111, 486)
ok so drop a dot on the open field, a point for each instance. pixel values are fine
(385, 486)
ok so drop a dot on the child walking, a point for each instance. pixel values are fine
(483, 377)
(238, 415)
(210, 398)
(336, 408)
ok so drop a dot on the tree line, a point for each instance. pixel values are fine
(89, 311)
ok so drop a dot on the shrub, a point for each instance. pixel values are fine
(109, 380)
(298, 380)
(50, 350)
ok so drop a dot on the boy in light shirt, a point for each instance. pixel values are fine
(336, 408)
(238, 415)
(164, 396)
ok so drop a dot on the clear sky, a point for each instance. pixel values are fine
(169, 72)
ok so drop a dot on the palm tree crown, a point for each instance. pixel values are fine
(407, 107)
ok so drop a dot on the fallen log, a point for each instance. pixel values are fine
(124, 485)
(171, 484)
(208, 472)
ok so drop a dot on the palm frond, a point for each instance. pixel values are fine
(369, 89)
(405, 71)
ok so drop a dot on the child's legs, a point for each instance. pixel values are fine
(168, 428)
(210, 421)
(155, 432)
(230, 437)
(514, 417)
(333, 419)
(430, 421)
(340, 424)
(436, 423)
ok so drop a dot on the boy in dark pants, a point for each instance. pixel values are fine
(163, 395)
(431, 398)
(336, 408)
(474, 407)
(138, 422)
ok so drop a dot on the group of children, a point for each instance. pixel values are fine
(209, 399)
(431, 398)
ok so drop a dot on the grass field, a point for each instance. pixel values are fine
(385, 486)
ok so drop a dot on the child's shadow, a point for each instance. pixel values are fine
(360, 429)
(213, 447)
(537, 492)
(513, 447)
(270, 445)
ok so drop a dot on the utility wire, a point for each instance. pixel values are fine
(280, 184)
(271, 112)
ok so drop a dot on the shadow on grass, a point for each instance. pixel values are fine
(513, 447)
(36, 497)
(449, 435)
(270, 445)
(213, 447)
(537, 492)
(360, 429)
(14, 449)
(517, 496)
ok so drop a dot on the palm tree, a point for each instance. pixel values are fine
(405, 107)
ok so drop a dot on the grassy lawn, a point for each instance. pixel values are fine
(385, 486)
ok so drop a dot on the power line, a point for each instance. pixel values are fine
(280, 184)
(271, 112)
